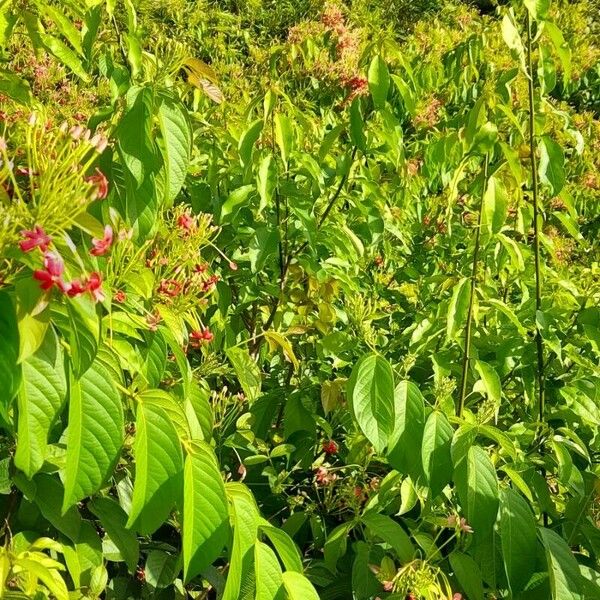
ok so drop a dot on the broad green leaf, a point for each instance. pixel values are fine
(563, 570)
(379, 81)
(244, 520)
(477, 487)
(235, 201)
(95, 433)
(49, 578)
(336, 545)
(84, 333)
(512, 39)
(491, 381)
(205, 515)
(198, 400)
(495, 205)
(176, 144)
(392, 533)
(10, 370)
(84, 555)
(284, 136)
(518, 538)
(41, 399)
(357, 126)
(247, 141)
(263, 246)
(371, 395)
(155, 360)
(64, 25)
(64, 54)
(33, 316)
(266, 181)
(247, 371)
(435, 452)
(468, 574)
(538, 9)
(15, 88)
(287, 550)
(113, 519)
(552, 164)
(404, 449)
(485, 138)
(158, 467)
(458, 308)
(561, 47)
(298, 587)
(162, 568)
(269, 580)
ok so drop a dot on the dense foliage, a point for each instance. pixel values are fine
(300, 299)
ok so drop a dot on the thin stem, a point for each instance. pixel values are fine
(536, 237)
(473, 283)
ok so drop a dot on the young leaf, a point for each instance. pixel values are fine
(491, 381)
(269, 580)
(518, 538)
(458, 308)
(40, 401)
(159, 467)
(113, 519)
(552, 164)
(247, 141)
(205, 518)
(435, 452)
(371, 394)
(477, 487)
(10, 370)
(284, 136)
(495, 205)
(404, 450)
(244, 518)
(563, 570)
(379, 81)
(298, 587)
(247, 372)
(95, 433)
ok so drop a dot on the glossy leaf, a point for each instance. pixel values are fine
(435, 452)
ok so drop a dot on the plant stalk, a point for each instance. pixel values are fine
(469, 325)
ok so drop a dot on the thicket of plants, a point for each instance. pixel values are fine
(299, 299)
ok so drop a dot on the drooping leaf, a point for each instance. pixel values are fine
(563, 570)
(284, 136)
(477, 487)
(518, 538)
(552, 164)
(491, 381)
(269, 580)
(391, 532)
(371, 395)
(247, 141)
(247, 371)
(95, 433)
(468, 574)
(84, 333)
(41, 398)
(379, 81)
(435, 452)
(458, 308)
(284, 545)
(495, 205)
(159, 467)
(404, 450)
(10, 370)
(205, 515)
(298, 587)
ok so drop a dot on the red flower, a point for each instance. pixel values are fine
(75, 288)
(186, 221)
(210, 283)
(198, 337)
(101, 183)
(200, 268)
(94, 286)
(324, 477)
(170, 287)
(330, 447)
(120, 296)
(52, 273)
(101, 247)
(36, 238)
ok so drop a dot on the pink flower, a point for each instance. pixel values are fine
(94, 286)
(170, 287)
(51, 275)
(36, 238)
(75, 288)
(101, 247)
(330, 447)
(202, 336)
(186, 221)
(233, 266)
(101, 183)
(120, 296)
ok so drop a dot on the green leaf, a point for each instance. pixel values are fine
(15, 88)
(538, 9)
(495, 205)
(113, 519)
(287, 550)
(205, 516)
(176, 144)
(491, 381)
(158, 467)
(266, 181)
(552, 164)
(435, 452)
(518, 538)
(269, 580)
(298, 587)
(197, 400)
(336, 545)
(379, 81)
(64, 25)
(41, 399)
(563, 570)
(33, 316)
(234, 202)
(162, 568)
(458, 308)
(392, 533)
(371, 395)
(84, 333)
(512, 38)
(247, 371)
(10, 370)
(36, 569)
(244, 517)
(64, 54)
(357, 126)
(561, 46)
(84, 555)
(247, 141)
(477, 487)
(94, 435)
(404, 450)
(468, 574)
(284, 136)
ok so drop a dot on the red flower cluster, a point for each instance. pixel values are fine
(101, 247)
(101, 183)
(324, 477)
(186, 222)
(170, 287)
(36, 238)
(201, 336)
(330, 447)
(120, 296)
(210, 283)
(51, 274)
